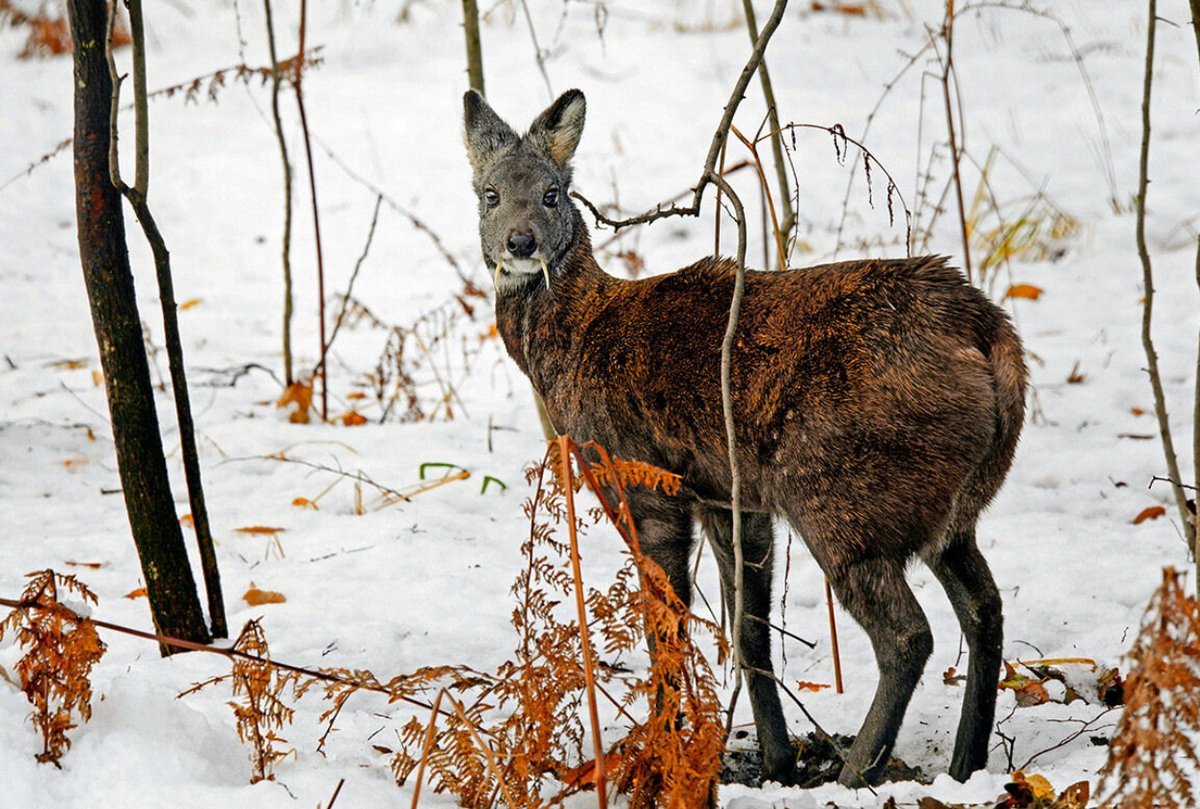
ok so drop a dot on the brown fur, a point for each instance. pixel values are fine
(877, 408)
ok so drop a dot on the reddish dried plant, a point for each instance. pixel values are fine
(258, 689)
(47, 32)
(534, 755)
(1152, 756)
(61, 647)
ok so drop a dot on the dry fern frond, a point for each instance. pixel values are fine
(1152, 756)
(61, 649)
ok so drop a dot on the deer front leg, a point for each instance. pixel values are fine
(758, 551)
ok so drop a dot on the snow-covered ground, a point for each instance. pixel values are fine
(427, 582)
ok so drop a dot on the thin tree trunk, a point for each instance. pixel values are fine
(170, 588)
(288, 307)
(474, 48)
(1160, 399)
(1196, 405)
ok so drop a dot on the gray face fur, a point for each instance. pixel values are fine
(526, 219)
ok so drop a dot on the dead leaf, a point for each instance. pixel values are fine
(1137, 411)
(491, 334)
(1075, 378)
(951, 676)
(353, 419)
(186, 521)
(304, 502)
(259, 529)
(299, 394)
(357, 394)
(97, 379)
(1075, 796)
(72, 463)
(804, 685)
(1026, 291)
(256, 597)
(69, 365)
(92, 565)
(930, 802)
(139, 592)
(1029, 691)
(1149, 513)
(190, 303)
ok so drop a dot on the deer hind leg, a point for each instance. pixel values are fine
(965, 575)
(758, 549)
(874, 592)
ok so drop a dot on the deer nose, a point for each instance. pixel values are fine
(521, 245)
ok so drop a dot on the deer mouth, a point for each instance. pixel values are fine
(521, 267)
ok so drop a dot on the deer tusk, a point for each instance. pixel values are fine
(546, 273)
(496, 277)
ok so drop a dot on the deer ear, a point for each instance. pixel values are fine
(556, 131)
(485, 134)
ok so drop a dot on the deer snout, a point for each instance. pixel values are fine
(521, 245)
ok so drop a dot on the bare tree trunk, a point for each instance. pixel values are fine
(474, 48)
(174, 604)
(1196, 405)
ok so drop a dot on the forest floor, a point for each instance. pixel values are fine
(427, 582)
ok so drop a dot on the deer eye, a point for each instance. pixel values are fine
(491, 197)
(550, 199)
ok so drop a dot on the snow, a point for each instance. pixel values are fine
(427, 582)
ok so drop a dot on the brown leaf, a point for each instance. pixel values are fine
(190, 303)
(304, 502)
(92, 565)
(804, 685)
(139, 592)
(353, 419)
(186, 520)
(97, 379)
(930, 802)
(1026, 291)
(1149, 513)
(259, 529)
(256, 597)
(299, 394)
(356, 395)
(1137, 411)
(1075, 796)
(1075, 378)
(951, 676)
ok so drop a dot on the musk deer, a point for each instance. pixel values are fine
(878, 405)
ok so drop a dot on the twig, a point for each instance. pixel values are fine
(1083, 728)
(224, 651)
(1160, 399)
(764, 75)
(361, 477)
(833, 639)
(782, 631)
(312, 185)
(735, 478)
(776, 228)
(337, 324)
(537, 49)
(286, 248)
(162, 266)
(718, 139)
(951, 133)
(388, 200)
(585, 641)
(336, 791)
(427, 745)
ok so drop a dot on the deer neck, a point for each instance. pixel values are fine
(542, 327)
